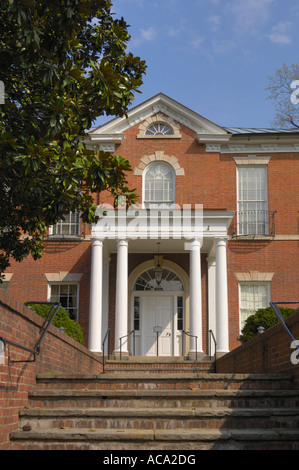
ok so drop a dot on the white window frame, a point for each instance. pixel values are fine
(253, 216)
(60, 284)
(163, 204)
(257, 284)
(69, 224)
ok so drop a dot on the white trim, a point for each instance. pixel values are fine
(158, 156)
(258, 147)
(254, 276)
(159, 104)
(180, 272)
(64, 277)
(252, 160)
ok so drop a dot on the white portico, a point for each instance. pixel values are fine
(159, 313)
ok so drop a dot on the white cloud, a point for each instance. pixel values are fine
(280, 33)
(196, 42)
(250, 15)
(214, 21)
(149, 34)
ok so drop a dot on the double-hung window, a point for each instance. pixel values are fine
(253, 296)
(68, 226)
(159, 185)
(67, 295)
(253, 216)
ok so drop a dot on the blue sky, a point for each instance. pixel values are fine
(213, 56)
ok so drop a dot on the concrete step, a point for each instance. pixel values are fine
(151, 410)
(160, 381)
(165, 364)
(163, 398)
(159, 439)
(159, 418)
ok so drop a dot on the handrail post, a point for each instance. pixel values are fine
(103, 347)
(125, 336)
(211, 335)
(193, 336)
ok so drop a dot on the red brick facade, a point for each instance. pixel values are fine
(58, 354)
(210, 178)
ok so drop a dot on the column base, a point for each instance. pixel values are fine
(221, 353)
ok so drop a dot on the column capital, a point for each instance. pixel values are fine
(123, 242)
(97, 242)
(221, 240)
(195, 243)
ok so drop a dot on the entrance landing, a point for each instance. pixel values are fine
(167, 364)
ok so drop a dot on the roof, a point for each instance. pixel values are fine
(244, 130)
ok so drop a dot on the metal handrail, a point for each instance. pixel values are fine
(125, 336)
(211, 336)
(192, 336)
(45, 326)
(276, 310)
(103, 347)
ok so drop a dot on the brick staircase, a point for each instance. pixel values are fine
(166, 405)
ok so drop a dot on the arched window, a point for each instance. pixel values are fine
(159, 128)
(147, 281)
(159, 185)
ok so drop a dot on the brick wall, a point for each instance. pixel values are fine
(269, 352)
(58, 353)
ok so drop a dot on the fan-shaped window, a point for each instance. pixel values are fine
(147, 281)
(159, 128)
(159, 185)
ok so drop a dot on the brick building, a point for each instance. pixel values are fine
(214, 238)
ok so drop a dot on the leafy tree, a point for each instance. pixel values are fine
(283, 92)
(63, 63)
(264, 317)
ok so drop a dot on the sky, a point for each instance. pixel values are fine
(213, 56)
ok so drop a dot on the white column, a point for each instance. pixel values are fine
(195, 297)
(105, 303)
(221, 298)
(212, 300)
(96, 290)
(121, 307)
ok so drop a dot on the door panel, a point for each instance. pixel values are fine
(157, 312)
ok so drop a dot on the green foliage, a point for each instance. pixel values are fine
(63, 63)
(264, 317)
(61, 319)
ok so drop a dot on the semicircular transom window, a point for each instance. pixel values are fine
(147, 281)
(159, 128)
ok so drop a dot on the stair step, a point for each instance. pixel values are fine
(110, 439)
(165, 418)
(158, 380)
(163, 398)
(154, 410)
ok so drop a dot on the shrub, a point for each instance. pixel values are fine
(61, 319)
(264, 317)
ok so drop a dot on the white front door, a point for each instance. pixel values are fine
(157, 326)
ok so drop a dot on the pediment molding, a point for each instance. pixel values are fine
(159, 104)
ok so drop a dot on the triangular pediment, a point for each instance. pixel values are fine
(206, 130)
